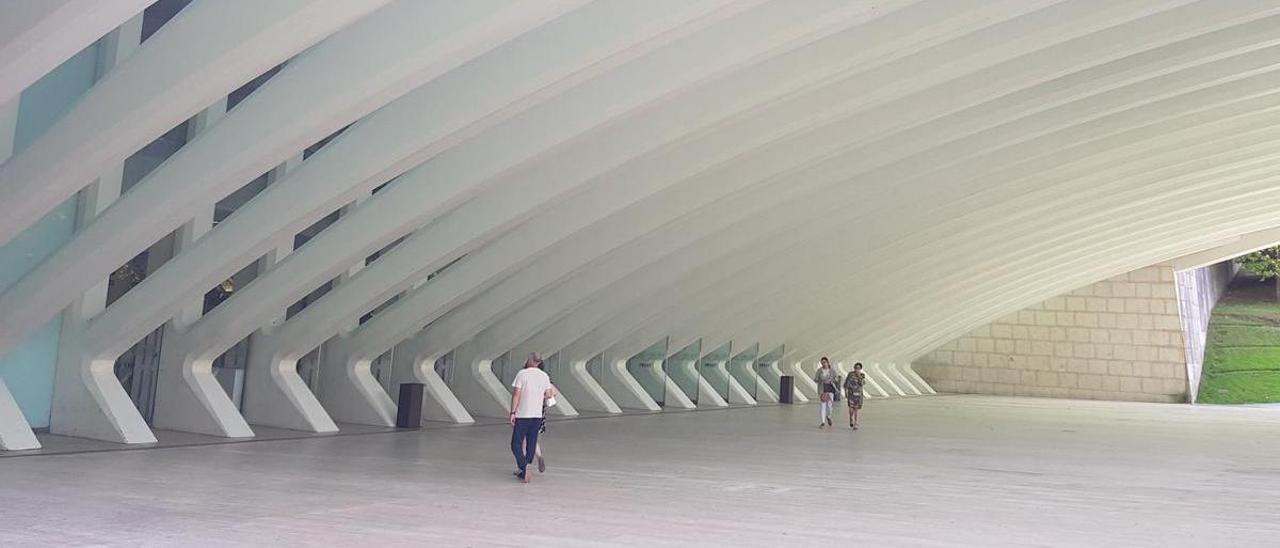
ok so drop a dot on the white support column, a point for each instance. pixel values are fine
(885, 382)
(188, 395)
(675, 396)
(919, 381)
(764, 389)
(477, 386)
(803, 379)
(575, 381)
(737, 394)
(622, 387)
(88, 400)
(707, 394)
(294, 405)
(872, 387)
(275, 394)
(412, 363)
(891, 369)
(572, 377)
(348, 390)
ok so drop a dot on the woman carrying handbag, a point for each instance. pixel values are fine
(826, 378)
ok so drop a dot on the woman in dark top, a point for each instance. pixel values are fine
(853, 384)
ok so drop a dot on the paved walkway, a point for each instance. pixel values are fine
(938, 471)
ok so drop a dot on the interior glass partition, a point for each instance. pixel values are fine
(309, 368)
(551, 364)
(444, 367)
(769, 374)
(682, 369)
(504, 369)
(383, 368)
(742, 368)
(138, 369)
(712, 369)
(595, 368)
(647, 368)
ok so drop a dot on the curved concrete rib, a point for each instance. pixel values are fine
(399, 195)
(397, 320)
(238, 149)
(36, 37)
(380, 147)
(231, 322)
(1007, 144)
(170, 78)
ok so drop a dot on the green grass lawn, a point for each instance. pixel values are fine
(1242, 354)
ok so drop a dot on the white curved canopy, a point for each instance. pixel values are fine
(860, 179)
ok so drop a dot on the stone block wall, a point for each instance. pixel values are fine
(1118, 339)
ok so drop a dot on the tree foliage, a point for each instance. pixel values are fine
(1265, 263)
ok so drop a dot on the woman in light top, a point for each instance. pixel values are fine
(826, 377)
(853, 383)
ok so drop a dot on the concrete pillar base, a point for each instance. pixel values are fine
(348, 390)
(276, 396)
(624, 388)
(579, 385)
(88, 401)
(15, 432)
(876, 374)
(188, 395)
(916, 379)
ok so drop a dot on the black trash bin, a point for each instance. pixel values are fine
(409, 409)
(786, 388)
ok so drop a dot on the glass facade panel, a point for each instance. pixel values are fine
(682, 368)
(742, 368)
(647, 368)
(713, 369)
(138, 368)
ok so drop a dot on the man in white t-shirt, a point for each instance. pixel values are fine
(529, 389)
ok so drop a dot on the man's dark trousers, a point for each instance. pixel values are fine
(524, 440)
